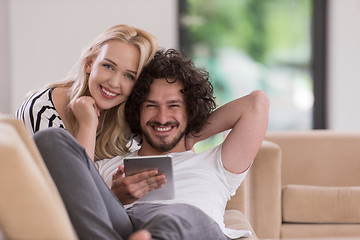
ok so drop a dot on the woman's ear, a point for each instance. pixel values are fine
(88, 66)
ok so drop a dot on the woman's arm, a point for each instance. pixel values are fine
(87, 115)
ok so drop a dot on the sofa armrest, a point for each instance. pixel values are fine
(263, 192)
(31, 207)
(237, 202)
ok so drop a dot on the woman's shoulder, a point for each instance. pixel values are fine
(34, 100)
(38, 111)
(40, 94)
(60, 91)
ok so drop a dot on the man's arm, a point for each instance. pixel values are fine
(215, 123)
(249, 119)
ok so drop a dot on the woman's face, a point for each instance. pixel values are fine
(112, 73)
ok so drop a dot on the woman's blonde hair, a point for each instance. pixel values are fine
(113, 133)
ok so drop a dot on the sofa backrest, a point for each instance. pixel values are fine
(319, 157)
(30, 206)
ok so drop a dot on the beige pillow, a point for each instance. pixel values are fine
(315, 204)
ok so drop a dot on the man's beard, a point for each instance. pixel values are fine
(163, 146)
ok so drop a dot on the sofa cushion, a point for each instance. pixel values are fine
(326, 231)
(317, 204)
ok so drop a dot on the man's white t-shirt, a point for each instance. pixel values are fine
(200, 180)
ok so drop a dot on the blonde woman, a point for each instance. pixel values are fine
(89, 102)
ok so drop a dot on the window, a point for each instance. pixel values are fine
(255, 44)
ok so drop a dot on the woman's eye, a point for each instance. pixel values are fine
(174, 105)
(129, 76)
(108, 66)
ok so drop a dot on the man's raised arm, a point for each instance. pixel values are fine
(248, 118)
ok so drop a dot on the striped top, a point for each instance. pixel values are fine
(38, 112)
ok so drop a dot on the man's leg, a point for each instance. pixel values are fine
(174, 221)
(94, 210)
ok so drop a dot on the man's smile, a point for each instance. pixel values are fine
(162, 128)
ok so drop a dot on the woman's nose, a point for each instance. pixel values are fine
(115, 82)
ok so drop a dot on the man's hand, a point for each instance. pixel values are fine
(131, 188)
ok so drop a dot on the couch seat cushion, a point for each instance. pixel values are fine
(317, 204)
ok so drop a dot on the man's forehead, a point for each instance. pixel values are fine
(166, 90)
(166, 83)
(170, 80)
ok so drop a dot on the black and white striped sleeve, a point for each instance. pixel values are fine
(38, 112)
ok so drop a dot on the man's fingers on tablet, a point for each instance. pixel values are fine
(144, 175)
(155, 182)
(140, 184)
(142, 190)
(119, 172)
(160, 180)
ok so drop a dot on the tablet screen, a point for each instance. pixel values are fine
(164, 165)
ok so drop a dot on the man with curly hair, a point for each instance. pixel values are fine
(171, 100)
(171, 108)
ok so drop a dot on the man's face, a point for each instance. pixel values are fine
(163, 117)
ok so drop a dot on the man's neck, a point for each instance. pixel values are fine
(147, 150)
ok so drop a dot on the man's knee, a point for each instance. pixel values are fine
(58, 143)
(49, 136)
(53, 138)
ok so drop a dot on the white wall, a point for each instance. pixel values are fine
(5, 79)
(47, 37)
(344, 65)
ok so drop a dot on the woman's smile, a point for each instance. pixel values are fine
(107, 93)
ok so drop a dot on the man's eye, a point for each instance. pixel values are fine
(150, 105)
(174, 105)
(108, 66)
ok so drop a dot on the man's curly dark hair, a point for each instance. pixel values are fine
(172, 66)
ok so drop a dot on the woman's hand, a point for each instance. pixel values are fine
(85, 111)
(131, 188)
(87, 114)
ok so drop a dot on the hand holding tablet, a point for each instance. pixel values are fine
(163, 164)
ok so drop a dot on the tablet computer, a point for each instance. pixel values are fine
(163, 164)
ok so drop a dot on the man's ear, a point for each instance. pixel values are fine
(88, 66)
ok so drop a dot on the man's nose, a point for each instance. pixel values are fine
(162, 115)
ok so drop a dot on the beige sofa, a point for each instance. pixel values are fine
(315, 191)
(31, 207)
